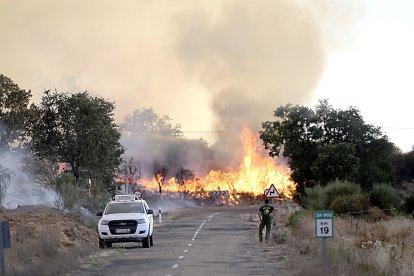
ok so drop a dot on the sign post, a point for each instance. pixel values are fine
(90, 185)
(272, 193)
(4, 243)
(159, 215)
(324, 229)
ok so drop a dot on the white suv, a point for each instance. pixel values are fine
(126, 219)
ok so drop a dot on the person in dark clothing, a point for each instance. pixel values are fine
(265, 219)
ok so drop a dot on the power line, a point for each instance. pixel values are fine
(203, 131)
(400, 128)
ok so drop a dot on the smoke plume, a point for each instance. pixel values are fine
(251, 56)
(210, 65)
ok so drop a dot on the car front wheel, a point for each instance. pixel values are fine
(101, 243)
(152, 240)
(146, 242)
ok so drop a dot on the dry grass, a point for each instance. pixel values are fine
(42, 255)
(360, 247)
(45, 241)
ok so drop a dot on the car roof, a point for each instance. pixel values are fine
(127, 201)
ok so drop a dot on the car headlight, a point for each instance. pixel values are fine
(104, 222)
(140, 221)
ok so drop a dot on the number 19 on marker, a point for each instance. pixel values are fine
(324, 224)
(324, 228)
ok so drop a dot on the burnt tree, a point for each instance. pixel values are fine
(182, 176)
(160, 173)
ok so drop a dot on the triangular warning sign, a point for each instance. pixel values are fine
(271, 192)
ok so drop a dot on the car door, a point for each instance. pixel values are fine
(150, 218)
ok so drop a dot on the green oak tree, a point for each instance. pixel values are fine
(404, 163)
(294, 135)
(325, 144)
(78, 129)
(336, 161)
(14, 114)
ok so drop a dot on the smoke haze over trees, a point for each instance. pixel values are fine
(17, 185)
(226, 63)
(152, 138)
(321, 145)
(213, 65)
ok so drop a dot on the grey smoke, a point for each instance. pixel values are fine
(251, 56)
(209, 65)
(23, 190)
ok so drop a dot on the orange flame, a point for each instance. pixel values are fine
(255, 174)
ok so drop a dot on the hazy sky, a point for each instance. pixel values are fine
(213, 65)
(375, 72)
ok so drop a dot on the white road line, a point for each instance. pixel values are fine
(202, 224)
(212, 216)
(194, 237)
(198, 230)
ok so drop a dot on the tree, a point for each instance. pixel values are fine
(294, 135)
(160, 173)
(182, 176)
(149, 136)
(46, 173)
(325, 144)
(5, 178)
(78, 129)
(372, 148)
(404, 163)
(337, 161)
(52, 175)
(131, 170)
(13, 113)
(147, 121)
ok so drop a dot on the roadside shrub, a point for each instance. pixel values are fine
(376, 214)
(68, 191)
(409, 204)
(314, 198)
(340, 188)
(279, 236)
(383, 196)
(344, 204)
(294, 220)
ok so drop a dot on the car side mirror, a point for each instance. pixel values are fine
(99, 214)
(150, 212)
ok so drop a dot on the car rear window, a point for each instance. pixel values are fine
(130, 207)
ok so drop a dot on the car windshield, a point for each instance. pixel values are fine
(129, 207)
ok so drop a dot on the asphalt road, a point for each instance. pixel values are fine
(197, 241)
